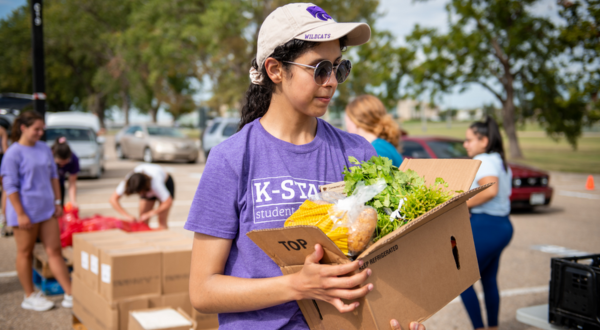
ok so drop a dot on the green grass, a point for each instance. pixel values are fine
(539, 150)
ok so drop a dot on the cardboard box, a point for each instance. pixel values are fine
(160, 318)
(91, 309)
(182, 241)
(80, 264)
(129, 271)
(175, 301)
(417, 269)
(182, 300)
(176, 261)
(90, 248)
(157, 236)
(205, 321)
(97, 313)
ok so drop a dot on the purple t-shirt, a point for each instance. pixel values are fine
(71, 167)
(255, 181)
(28, 171)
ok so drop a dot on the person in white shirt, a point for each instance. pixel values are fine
(152, 183)
(492, 230)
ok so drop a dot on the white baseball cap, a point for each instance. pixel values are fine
(304, 21)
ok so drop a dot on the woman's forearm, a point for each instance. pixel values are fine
(228, 294)
(114, 201)
(73, 189)
(481, 198)
(15, 201)
(487, 194)
(56, 188)
(213, 292)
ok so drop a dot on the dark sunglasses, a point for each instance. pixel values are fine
(324, 69)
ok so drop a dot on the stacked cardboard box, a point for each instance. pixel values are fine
(116, 272)
(160, 318)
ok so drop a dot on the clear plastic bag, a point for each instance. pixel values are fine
(347, 221)
(351, 216)
(360, 220)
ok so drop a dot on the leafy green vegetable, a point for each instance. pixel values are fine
(408, 186)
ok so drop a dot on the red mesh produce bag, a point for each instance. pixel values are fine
(70, 223)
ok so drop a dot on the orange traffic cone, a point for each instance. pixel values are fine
(589, 185)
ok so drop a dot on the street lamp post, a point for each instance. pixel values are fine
(37, 45)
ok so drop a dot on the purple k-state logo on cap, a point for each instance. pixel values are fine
(319, 13)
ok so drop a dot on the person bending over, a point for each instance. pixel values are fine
(66, 162)
(152, 183)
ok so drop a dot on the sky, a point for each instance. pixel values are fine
(399, 17)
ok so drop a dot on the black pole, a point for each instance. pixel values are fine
(37, 45)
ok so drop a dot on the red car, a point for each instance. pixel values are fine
(529, 186)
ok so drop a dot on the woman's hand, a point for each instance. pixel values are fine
(24, 221)
(130, 218)
(413, 325)
(58, 211)
(322, 282)
(146, 216)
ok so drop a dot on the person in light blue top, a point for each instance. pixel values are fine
(367, 117)
(492, 230)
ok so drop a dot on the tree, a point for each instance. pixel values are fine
(79, 54)
(62, 90)
(230, 33)
(162, 47)
(146, 54)
(501, 46)
(581, 35)
(379, 68)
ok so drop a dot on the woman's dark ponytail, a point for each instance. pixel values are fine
(258, 97)
(489, 128)
(26, 118)
(61, 149)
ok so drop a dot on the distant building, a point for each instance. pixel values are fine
(469, 114)
(413, 109)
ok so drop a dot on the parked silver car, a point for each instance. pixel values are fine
(218, 131)
(155, 143)
(83, 141)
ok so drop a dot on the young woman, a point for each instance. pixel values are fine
(491, 226)
(3, 144)
(6, 231)
(66, 162)
(367, 117)
(31, 184)
(280, 155)
(151, 182)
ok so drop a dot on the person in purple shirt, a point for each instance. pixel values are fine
(30, 181)
(66, 162)
(258, 177)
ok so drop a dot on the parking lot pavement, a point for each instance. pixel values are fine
(570, 223)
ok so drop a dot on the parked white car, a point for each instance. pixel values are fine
(74, 118)
(81, 130)
(218, 131)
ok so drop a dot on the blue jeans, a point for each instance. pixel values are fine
(491, 235)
